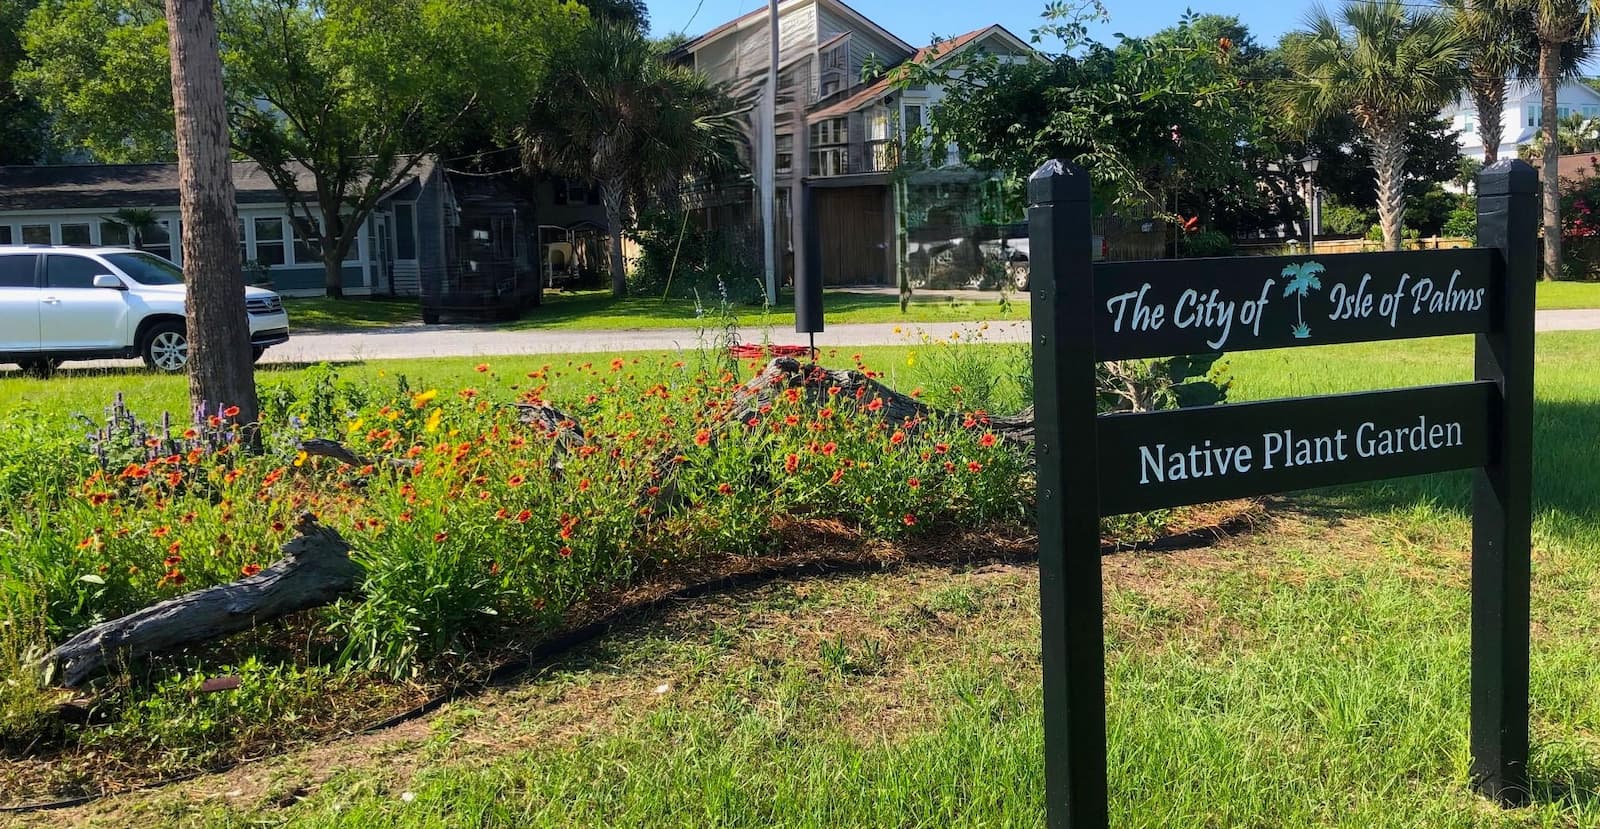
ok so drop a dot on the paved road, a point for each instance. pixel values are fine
(417, 340)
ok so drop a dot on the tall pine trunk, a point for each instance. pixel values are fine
(221, 371)
(1489, 96)
(614, 199)
(1549, 174)
(1389, 163)
(333, 274)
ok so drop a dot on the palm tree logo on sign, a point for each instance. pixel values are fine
(1302, 281)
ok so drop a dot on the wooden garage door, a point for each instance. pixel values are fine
(854, 234)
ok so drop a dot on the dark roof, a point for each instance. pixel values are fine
(100, 186)
(874, 90)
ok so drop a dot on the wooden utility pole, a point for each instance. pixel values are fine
(768, 163)
(221, 371)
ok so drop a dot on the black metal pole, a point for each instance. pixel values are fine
(1502, 493)
(808, 274)
(1071, 634)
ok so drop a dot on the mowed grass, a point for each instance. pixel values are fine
(1558, 295)
(1314, 673)
(597, 310)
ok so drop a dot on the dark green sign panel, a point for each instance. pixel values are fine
(1090, 465)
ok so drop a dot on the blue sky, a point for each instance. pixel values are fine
(917, 21)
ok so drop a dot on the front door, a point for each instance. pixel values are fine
(73, 313)
(19, 302)
(382, 255)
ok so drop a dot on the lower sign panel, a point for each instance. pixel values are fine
(1189, 456)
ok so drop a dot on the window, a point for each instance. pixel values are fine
(913, 119)
(1469, 124)
(269, 240)
(1590, 110)
(146, 269)
(405, 232)
(71, 271)
(113, 234)
(1535, 115)
(244, 249)
(17, 271)
(878, 124)
(75, 235)
(306, 251)
(36, 234)
(831, 161)
(785, 160)
(157, 239)
(830, 131)
(5, 234)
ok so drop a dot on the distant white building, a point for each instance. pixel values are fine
(1521, 118)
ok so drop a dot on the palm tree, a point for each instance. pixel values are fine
(1302, 281)
(613, 113)
(1495, 31)
(137, 220)
(1574, 134)
(1385, 64)
(1564, 28)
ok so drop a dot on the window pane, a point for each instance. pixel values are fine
(36, 234)
(112, 234)
(17, 271)
(306, 251)
(71, 271)
(405, 231)
(157, 239)
(75, 234)
(269, 240)
(5, 234)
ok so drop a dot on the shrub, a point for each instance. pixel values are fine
(1207, 243)
(679, 258)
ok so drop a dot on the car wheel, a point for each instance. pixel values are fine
(430, 317)
(256, 352)
(1019, 274)
(40, 368)
(166, 348)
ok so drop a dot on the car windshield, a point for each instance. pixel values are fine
(146, 269)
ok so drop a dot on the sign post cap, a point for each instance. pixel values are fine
(1058, 181)
(1508, 176)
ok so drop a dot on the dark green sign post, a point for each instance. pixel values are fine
(1091, 465)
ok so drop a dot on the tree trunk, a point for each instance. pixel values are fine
(1389, 162)
(1489, 96)
(333, 271)
(614, 198)
(221, 371)
(315, 570)
(1549, 174)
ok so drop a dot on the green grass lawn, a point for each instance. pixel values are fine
(1564, 295)
(596, 310)
(1312, 673)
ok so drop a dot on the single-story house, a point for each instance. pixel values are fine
(459, 241)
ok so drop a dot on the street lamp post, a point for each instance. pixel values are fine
(1310, 163)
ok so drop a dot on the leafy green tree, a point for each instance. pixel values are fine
(613, 113)
(23, 126)
(352, 94)
(1574, 134)
(1385, 64)
(1565, 29)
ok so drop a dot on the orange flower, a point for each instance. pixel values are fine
(725, 488)
(702, 437)
(909, 520)
(897, 438)
(974, 466)
(914, 483)
(829, 448)
(515, 481)
(482, 367)
(439, 537)
(566, 552)
(941, 448)
(875, 404)
(160, 532)
(231, 411)
(250, 570)
(987, 440)
(583, 485)
(522, 517)
(791, 463)
(836, 477)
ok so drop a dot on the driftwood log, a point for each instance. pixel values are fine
(315, 570)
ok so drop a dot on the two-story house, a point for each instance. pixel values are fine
(1522, 118)
(839, 119)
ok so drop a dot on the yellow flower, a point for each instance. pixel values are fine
(424, 398)
(356, 425)
(911, 359)
(300, 459)
(897, 329)
(433, 420)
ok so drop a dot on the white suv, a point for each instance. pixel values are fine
(93, 303)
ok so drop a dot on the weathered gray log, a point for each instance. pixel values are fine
(315, 570)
